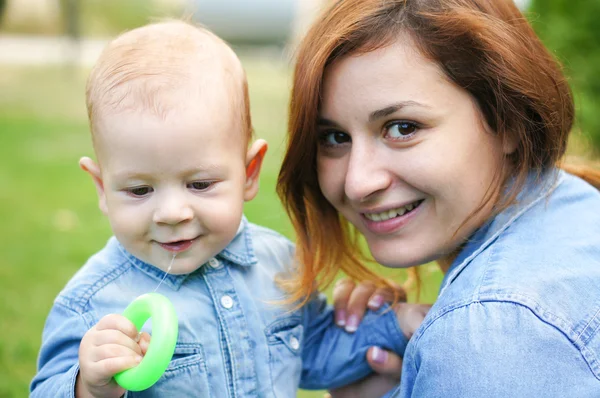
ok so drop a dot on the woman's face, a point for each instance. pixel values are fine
(404, 154)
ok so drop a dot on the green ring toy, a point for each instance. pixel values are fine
(162, 345)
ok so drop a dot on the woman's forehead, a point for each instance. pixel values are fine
(393, 74)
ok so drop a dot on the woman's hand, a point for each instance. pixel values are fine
(350, 302)
(387, 367)
(410, 316)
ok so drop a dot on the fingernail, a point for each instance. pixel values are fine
(138, 359)
(376, 302)
(352, 324)
(340, 318)
(144, 345)
(378, 355)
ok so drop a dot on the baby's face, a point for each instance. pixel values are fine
(173, 185)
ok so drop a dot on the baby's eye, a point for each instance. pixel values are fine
(200, 185)
(140, 191)
(334, 138)
(401, 129)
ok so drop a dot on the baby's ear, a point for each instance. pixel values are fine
(254, 159)
(90, 167)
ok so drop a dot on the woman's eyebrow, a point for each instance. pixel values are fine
(378, 114)
(321, 121)
(388, 110)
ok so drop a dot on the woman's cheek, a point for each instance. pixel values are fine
(331, 177)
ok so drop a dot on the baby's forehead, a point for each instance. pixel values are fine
(184, 134)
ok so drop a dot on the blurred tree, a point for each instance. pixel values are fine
(72, 19)
(570, 29)
(71, 12)
(2, 7)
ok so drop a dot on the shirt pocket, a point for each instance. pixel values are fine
(285, 360)
(186, 375)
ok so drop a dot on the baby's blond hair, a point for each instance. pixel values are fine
(146, 68)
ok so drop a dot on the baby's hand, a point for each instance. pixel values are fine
(111, 346)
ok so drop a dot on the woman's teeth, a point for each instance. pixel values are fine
(389, 214)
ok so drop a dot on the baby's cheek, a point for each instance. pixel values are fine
(232, 219)
(128, 223)
(225, 217)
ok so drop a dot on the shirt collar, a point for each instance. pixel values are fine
(536, 188)
(240, 251)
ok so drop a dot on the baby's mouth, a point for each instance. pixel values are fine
(177, 246)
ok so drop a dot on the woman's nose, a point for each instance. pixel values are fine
(367, 173)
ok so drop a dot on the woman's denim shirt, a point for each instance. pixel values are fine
(234, 341)
(518, 314)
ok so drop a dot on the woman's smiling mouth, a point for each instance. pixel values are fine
(392, 213)
(391, 220)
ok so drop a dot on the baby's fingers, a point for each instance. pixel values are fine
(144, 342)
(117, 322)
(109, 351)
(112, 365)
(109, 336)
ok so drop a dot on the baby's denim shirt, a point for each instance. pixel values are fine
(518, 314)
(234, 339)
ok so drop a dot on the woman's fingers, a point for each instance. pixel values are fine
(386, 377)
(357, 304)
(410, 316)
(385, 362)
(341, 295)
(351, 300)
(386, 295)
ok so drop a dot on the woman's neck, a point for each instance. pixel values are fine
(445, 262)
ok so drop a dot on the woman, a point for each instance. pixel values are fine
(433, 129)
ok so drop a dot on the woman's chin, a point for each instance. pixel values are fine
(396, 261)
(394, 255)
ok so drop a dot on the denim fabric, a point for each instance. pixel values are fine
(518, 314)
(234, 341)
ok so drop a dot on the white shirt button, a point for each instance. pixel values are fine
(227, 302)
(214, 263)
(294, 343)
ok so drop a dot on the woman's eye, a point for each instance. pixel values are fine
(400, 129)
(200, 185)
(139, 191)
(333, 138)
